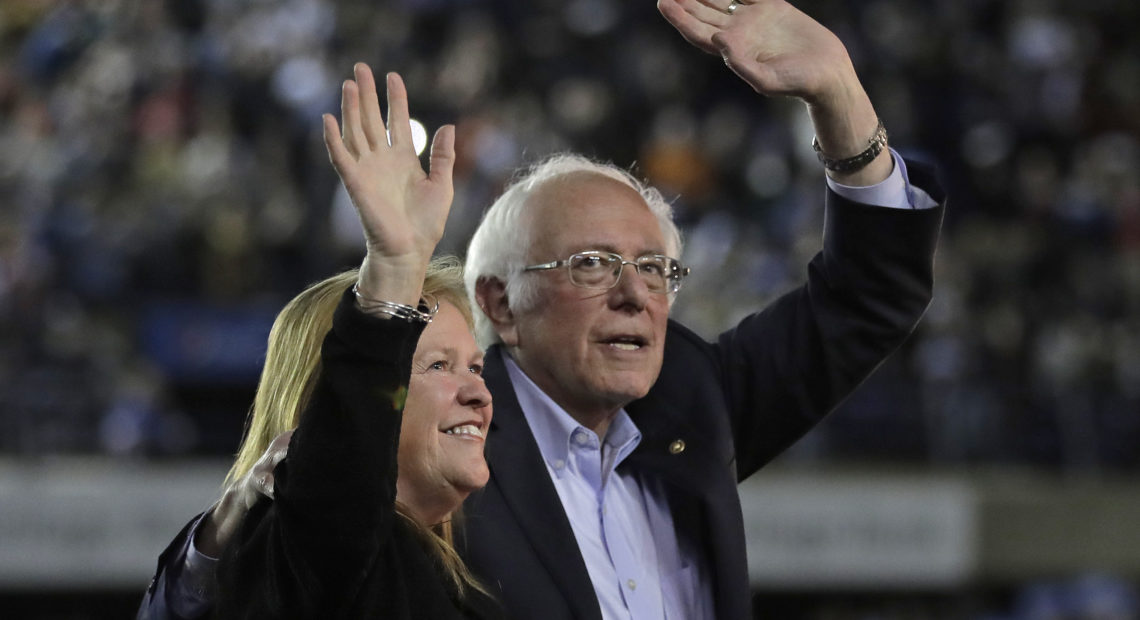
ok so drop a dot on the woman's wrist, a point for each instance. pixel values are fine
(397, 280)
(423, 312)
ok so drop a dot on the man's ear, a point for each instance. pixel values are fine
(491, 295)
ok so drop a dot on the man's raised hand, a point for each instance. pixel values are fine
(779, 50)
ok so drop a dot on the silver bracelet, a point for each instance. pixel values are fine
(397, 311)
(855, 162)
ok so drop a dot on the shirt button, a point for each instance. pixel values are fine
(631, 584)
(581, 439)
(559, 464)
(677, 447)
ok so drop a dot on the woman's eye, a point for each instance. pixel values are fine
(476, 368)
(440, 365)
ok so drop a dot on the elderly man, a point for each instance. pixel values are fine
(619, 436)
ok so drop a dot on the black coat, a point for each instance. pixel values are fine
(735, 404)
(330, 545)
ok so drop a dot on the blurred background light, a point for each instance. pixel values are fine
(164, 189)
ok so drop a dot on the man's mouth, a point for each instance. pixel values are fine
(626, 343)
(469, 430)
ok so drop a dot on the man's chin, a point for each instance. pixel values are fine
(637, 383)
(624, 392)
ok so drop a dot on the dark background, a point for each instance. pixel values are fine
(164, 190)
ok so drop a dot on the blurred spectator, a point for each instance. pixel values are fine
(163, 183)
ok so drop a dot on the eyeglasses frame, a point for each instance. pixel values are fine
(681, 270)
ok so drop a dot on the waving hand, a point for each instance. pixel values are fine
(779, 50)
(402, 209)
(772, 45)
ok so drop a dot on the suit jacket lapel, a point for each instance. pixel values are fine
(518, 469)
(699, 471)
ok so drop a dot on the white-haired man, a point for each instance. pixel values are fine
(619, 436)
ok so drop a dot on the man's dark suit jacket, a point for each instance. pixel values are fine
(717, 413)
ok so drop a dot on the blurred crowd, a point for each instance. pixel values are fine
(164, 189)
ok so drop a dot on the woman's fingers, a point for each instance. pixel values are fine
(338, 153)
(399, 127)
(354, 139)
(364, 127)
(442, 155)
(373, 123)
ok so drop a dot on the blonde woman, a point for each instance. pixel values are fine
(379, 373)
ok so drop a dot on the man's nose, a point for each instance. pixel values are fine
(631, 289)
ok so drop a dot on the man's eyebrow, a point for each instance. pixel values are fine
(606, 247)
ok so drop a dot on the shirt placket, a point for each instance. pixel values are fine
(636, 592)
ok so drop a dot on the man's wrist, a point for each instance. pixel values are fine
(857, 161)
(894, 192)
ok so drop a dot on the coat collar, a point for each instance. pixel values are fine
(686, 457)
(512, 456)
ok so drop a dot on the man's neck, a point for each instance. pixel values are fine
(600, 424)
(593, 415)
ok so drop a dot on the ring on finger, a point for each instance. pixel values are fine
(732, 7)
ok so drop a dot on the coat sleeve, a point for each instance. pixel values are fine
(786, 367)
(173, 594)
(335, 492)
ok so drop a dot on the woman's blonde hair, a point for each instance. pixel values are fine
(293, 364)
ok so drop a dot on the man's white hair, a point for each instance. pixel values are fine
(500, 246)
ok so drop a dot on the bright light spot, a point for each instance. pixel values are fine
(419, 136)
(987, 144)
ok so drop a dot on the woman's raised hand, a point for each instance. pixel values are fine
(402, 209)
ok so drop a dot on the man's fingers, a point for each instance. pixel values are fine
(694, 29)
(281, 442)
(759, 76)
(716, 5)
(261, 476)
(710, 13)
(371, 120)
(264, 485)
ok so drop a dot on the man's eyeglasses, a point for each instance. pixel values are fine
(602, 270)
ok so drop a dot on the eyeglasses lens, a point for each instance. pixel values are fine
(603, 271)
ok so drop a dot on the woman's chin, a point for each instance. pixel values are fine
(472, 480)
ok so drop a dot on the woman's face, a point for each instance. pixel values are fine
(446, 418)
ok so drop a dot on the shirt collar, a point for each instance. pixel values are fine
(553, 428)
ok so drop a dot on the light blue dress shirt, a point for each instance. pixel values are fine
(621, 522)
(894, 192)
